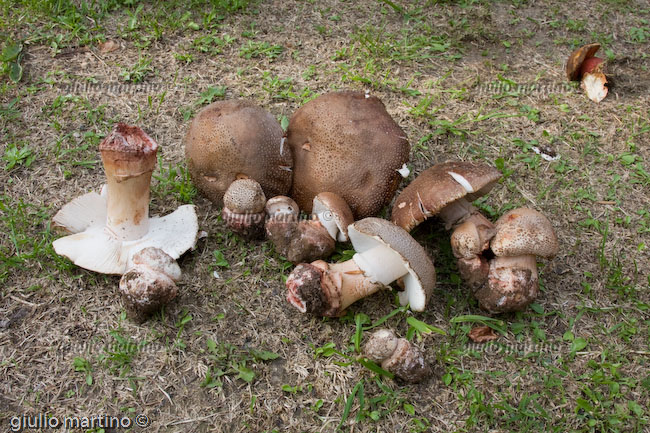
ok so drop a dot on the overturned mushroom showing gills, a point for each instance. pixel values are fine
(446, 190)
(109, 228)
(243, 208)
(583, 66)
(522, 235)
(396, 355)
(235, 139)
(346, 143)
(384, 253)
(149, 284)
(297, 240)
(334, 214)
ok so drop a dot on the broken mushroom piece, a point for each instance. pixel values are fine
(297, 240)
(396, 355)
(149, 284)
(522, 235)
(311, 239)
(384, 253)
(235, 139)
(583, 66)
(346, 143)
(446, 190)
(243, 208)
(110, 227)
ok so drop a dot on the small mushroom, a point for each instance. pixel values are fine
(384, 253)
(583, 66)
(150, 283)
(346, 143)
(234, 139)
(522, 235)
(312, 239)
(446, 190)
(396, 355)
(109, 228)
(243, 208)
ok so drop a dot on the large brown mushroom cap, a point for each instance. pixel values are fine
(524, 231)
(576, 58)
(346, 143)
(436, 187)
(235, 139)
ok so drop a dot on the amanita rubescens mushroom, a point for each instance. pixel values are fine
(522, 235)
(306, 240)
(235, 139)
(150, 283)
(243, 208)
(446, 190)
(109, 228)
(346, 143)
(396, 355)
(583, 66)
(384, 253)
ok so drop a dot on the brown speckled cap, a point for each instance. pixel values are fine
(244, 196)
(524, 231)
(235, 139)
(576, 58)
(346, 143)
(421, 277)
(435, 188)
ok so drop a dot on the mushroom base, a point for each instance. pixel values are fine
(326, 289)
(247, 225)
(146, 291)
(512, 284)
(474, 271)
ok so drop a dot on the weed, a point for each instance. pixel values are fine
(252, 50)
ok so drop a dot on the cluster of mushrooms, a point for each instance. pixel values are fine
(337, 166)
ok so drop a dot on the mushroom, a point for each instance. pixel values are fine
(150, 283)
(396, 355)
(243, 208)
(583, 66)
(302, 240)
(522, 234)
(109, 228)
(235, 139)
(384, 253)
(446, 190)
(346, 143)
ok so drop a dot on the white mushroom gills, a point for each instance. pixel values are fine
(326, 218)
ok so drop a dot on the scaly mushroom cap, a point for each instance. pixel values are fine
(574, 63)
(420, 277)
(440, 185)
(346, 143)
(334, 213)
(524, 231)
(235, 139)
(380, 345)
(244, 196)
(159, 261)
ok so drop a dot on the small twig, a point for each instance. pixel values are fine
(166, 395)
(188, 421)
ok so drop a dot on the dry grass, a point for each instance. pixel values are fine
(437, 58)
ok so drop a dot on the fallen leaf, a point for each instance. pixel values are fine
(108, 46)
(482, 334)
(594, 85)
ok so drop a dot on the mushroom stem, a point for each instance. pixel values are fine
(129, 157)
(397, 355)
(326, 289)
(512, 284)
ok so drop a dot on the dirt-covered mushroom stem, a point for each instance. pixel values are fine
(396, 355)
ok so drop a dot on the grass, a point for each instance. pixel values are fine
(471, 80)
